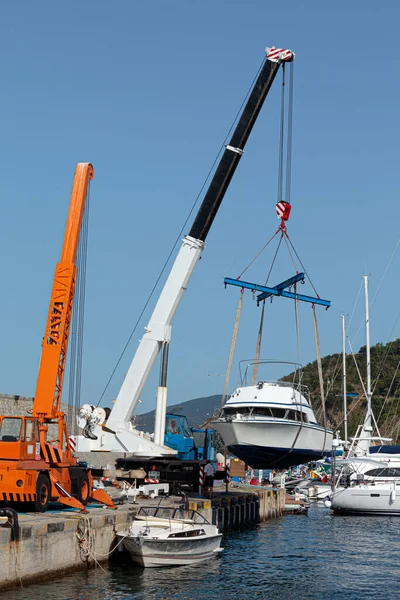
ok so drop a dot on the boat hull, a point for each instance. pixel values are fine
(367, 500)
(172, 552)
(274, 445)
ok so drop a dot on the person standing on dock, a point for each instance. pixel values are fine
(209, 480)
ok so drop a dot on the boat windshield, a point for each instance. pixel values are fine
(265, 411)
(167, 512)
(186, 534)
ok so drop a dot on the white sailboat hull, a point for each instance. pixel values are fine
(373, 499)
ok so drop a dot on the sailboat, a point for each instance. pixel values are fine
(369, 478)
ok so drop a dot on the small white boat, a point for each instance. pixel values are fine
(271, 425)
(166, 537)
(314, 490)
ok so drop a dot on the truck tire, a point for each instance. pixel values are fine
(84, 488)
(42, 498)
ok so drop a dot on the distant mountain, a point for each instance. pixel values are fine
(197, 412)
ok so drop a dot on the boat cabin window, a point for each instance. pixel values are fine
(266, 411)
(233, 410)
(262, 411)
(10, 429)
(186, 534)
(296, 415)
(389, 472)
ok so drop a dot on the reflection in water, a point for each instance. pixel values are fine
(319, 557)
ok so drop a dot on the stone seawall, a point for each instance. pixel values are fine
(57, 543)
(16, 405)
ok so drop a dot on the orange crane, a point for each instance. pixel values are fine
(33, 468)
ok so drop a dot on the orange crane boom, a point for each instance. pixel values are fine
(33, 468)
(55, 341)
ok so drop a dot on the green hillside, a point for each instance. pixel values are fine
(385, 385)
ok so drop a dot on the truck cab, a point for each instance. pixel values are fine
(190, 444)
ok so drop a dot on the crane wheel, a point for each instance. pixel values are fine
(42, 493)
(84, 488)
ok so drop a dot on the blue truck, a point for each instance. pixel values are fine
(194, 446)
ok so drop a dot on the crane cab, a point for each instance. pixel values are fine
(19, 439)
(30, 471)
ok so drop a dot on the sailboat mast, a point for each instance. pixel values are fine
(344, 382)
(368, 420)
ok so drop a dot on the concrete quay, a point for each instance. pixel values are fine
(64, 541)
(56, 543)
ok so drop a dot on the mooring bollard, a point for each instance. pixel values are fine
(201, 480)
(12, 522)
(227, 476)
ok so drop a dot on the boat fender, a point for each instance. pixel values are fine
(328, 503)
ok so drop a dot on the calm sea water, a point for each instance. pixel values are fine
(318, 557)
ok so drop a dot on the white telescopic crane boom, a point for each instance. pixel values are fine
(118, 434)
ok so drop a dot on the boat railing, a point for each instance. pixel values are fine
(172, 513)
(298, 387)
(297, 374)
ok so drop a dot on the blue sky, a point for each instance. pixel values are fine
(147, 92)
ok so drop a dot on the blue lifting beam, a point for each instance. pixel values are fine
(278, 290)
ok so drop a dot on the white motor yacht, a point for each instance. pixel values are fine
(271, 425)
(165, 537)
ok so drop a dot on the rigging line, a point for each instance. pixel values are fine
(389, 347)
(273, 261)
(179, 235)
(281, 137)
(382, 279)
(355, 304)
(386, 270)
(296, 316)
(77, 324)
(257, 255)
(335, 373)
(393, 421)
(382, 364)
(358, 370)
(232, 348)
(289, 137)
(258, 346)
(78, 383)
(320, 374)
(303, 267)
(389, 389)
(290, 254)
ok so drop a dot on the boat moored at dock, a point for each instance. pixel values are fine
(166, 537)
